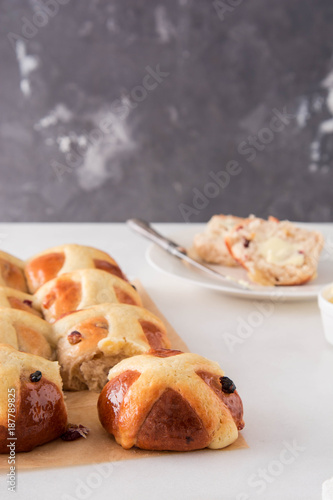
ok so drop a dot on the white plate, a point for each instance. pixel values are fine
(168, 264)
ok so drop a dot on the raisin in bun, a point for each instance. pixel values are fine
(81, 289)
(9, 297)
(26, 332)
(91, 341)
(30, 386)
(55, 261)
(210, 244)
(11, 272)
(170, 400)
(276, 253)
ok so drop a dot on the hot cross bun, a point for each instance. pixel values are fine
(170, 400)
(62, 259)
(276, 252)
(91, 341)
(81, 289)
(32, 407)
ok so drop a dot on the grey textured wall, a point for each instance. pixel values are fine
(169, 110)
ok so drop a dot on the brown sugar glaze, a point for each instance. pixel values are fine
(64, 297)
(41, 415)
(44, 268)
(232, 401)
(12, 275)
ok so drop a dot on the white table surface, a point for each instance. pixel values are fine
(283, 372)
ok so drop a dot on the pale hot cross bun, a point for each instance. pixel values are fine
(26, 332)
(9, 297)
(91, 341)
(276, 253)
(12, 272)
(210, 244)
(55, 261)
(31, 393)
(81, 289)
(169, 400)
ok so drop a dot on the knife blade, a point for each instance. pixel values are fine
(144, 228)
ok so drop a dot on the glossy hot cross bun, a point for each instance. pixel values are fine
(55, 261)
(26, 332)
(81, 289)
(31, 393)
(11, 272)
(9, 297)
(169, 400)
(91, 341)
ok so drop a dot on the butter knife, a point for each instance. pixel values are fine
(142, 227)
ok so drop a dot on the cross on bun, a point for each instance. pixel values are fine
(32, 407)
(210, 244)
(81, 289)
(26, 332)
(276, 253)
(62, 259)
(12, 272)
(91, 341)
(170, 400)
(9, 297)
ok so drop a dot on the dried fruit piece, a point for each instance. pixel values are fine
(74, 432)
(74, 337)
(36, 376)
(28, 302)
(227, 385)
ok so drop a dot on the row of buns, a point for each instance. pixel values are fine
(28, 276)
(82, 326)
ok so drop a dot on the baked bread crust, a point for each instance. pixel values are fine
(91, 341)
(169, 400)
(9, 297)
(294, 260)
(210, 244)
(26, 332)
(12, 272)
(40, 412)
(81, 289)
(55, 261)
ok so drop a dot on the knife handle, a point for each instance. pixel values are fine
(144, 228)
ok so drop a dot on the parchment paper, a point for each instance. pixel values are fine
(99, 446)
